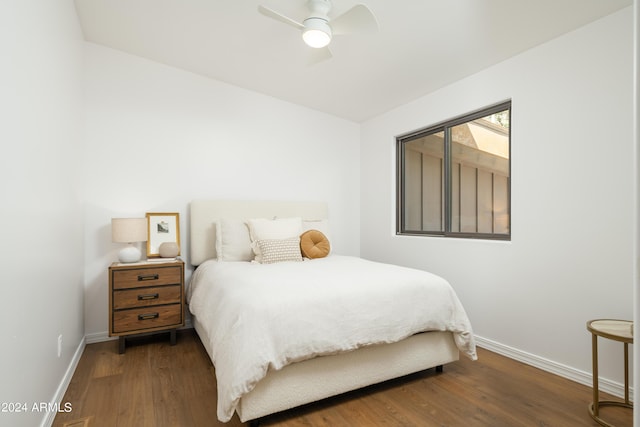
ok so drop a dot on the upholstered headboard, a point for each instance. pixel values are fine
(204, 213)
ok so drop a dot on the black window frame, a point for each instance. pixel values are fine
(445, 127)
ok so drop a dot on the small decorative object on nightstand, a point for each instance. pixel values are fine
(617, 330)
(146, 297)
(169, 250)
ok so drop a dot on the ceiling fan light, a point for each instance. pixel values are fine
(316, 38)
(316, 33)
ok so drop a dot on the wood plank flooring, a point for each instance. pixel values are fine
(154, 384)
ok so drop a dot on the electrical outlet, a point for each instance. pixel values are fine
(59, 345)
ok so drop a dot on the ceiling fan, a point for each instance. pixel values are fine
(318, 29)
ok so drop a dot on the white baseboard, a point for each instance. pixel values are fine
(98, 337)
(62, 388)
(582, 377)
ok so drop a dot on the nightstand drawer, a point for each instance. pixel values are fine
(143, 297)
(138, 319)
(153, 276)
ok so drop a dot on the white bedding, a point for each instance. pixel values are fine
(263, 317)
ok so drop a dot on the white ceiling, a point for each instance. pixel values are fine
(422, 45)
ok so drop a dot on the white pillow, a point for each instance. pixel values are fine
(279, 250)
(272, 229)
(233, 241)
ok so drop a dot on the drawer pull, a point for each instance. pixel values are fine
(142, 278)
(147, 297)
(148, 316)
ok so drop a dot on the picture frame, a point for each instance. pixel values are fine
(162, 227)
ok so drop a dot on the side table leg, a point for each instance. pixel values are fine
(626, 373)
(121, 344)
(594, 357)
(172, 337)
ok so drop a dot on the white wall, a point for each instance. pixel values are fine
(41, 295)
(158, 137)
(570, 258)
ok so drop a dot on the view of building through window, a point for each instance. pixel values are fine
(454, 177)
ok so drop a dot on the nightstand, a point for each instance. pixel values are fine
(145, 297)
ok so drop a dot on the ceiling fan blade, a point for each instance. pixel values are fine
(318, 55)
(279, 17)
(358, 19)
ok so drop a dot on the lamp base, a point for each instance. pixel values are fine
(129, 254)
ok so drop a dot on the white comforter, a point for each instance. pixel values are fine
(262, 317)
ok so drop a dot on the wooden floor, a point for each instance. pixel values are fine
(154, 384)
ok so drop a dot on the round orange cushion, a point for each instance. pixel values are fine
(314, 244)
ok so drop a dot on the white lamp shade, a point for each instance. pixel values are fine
(128, 230)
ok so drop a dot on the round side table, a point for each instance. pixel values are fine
(617, 330)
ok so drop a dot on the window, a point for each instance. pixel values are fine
(454, 178)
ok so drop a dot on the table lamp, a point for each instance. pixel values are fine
(129, 230)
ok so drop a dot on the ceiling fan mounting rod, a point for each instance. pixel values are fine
(319, 9)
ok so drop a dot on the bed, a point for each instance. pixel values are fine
(322, 337)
